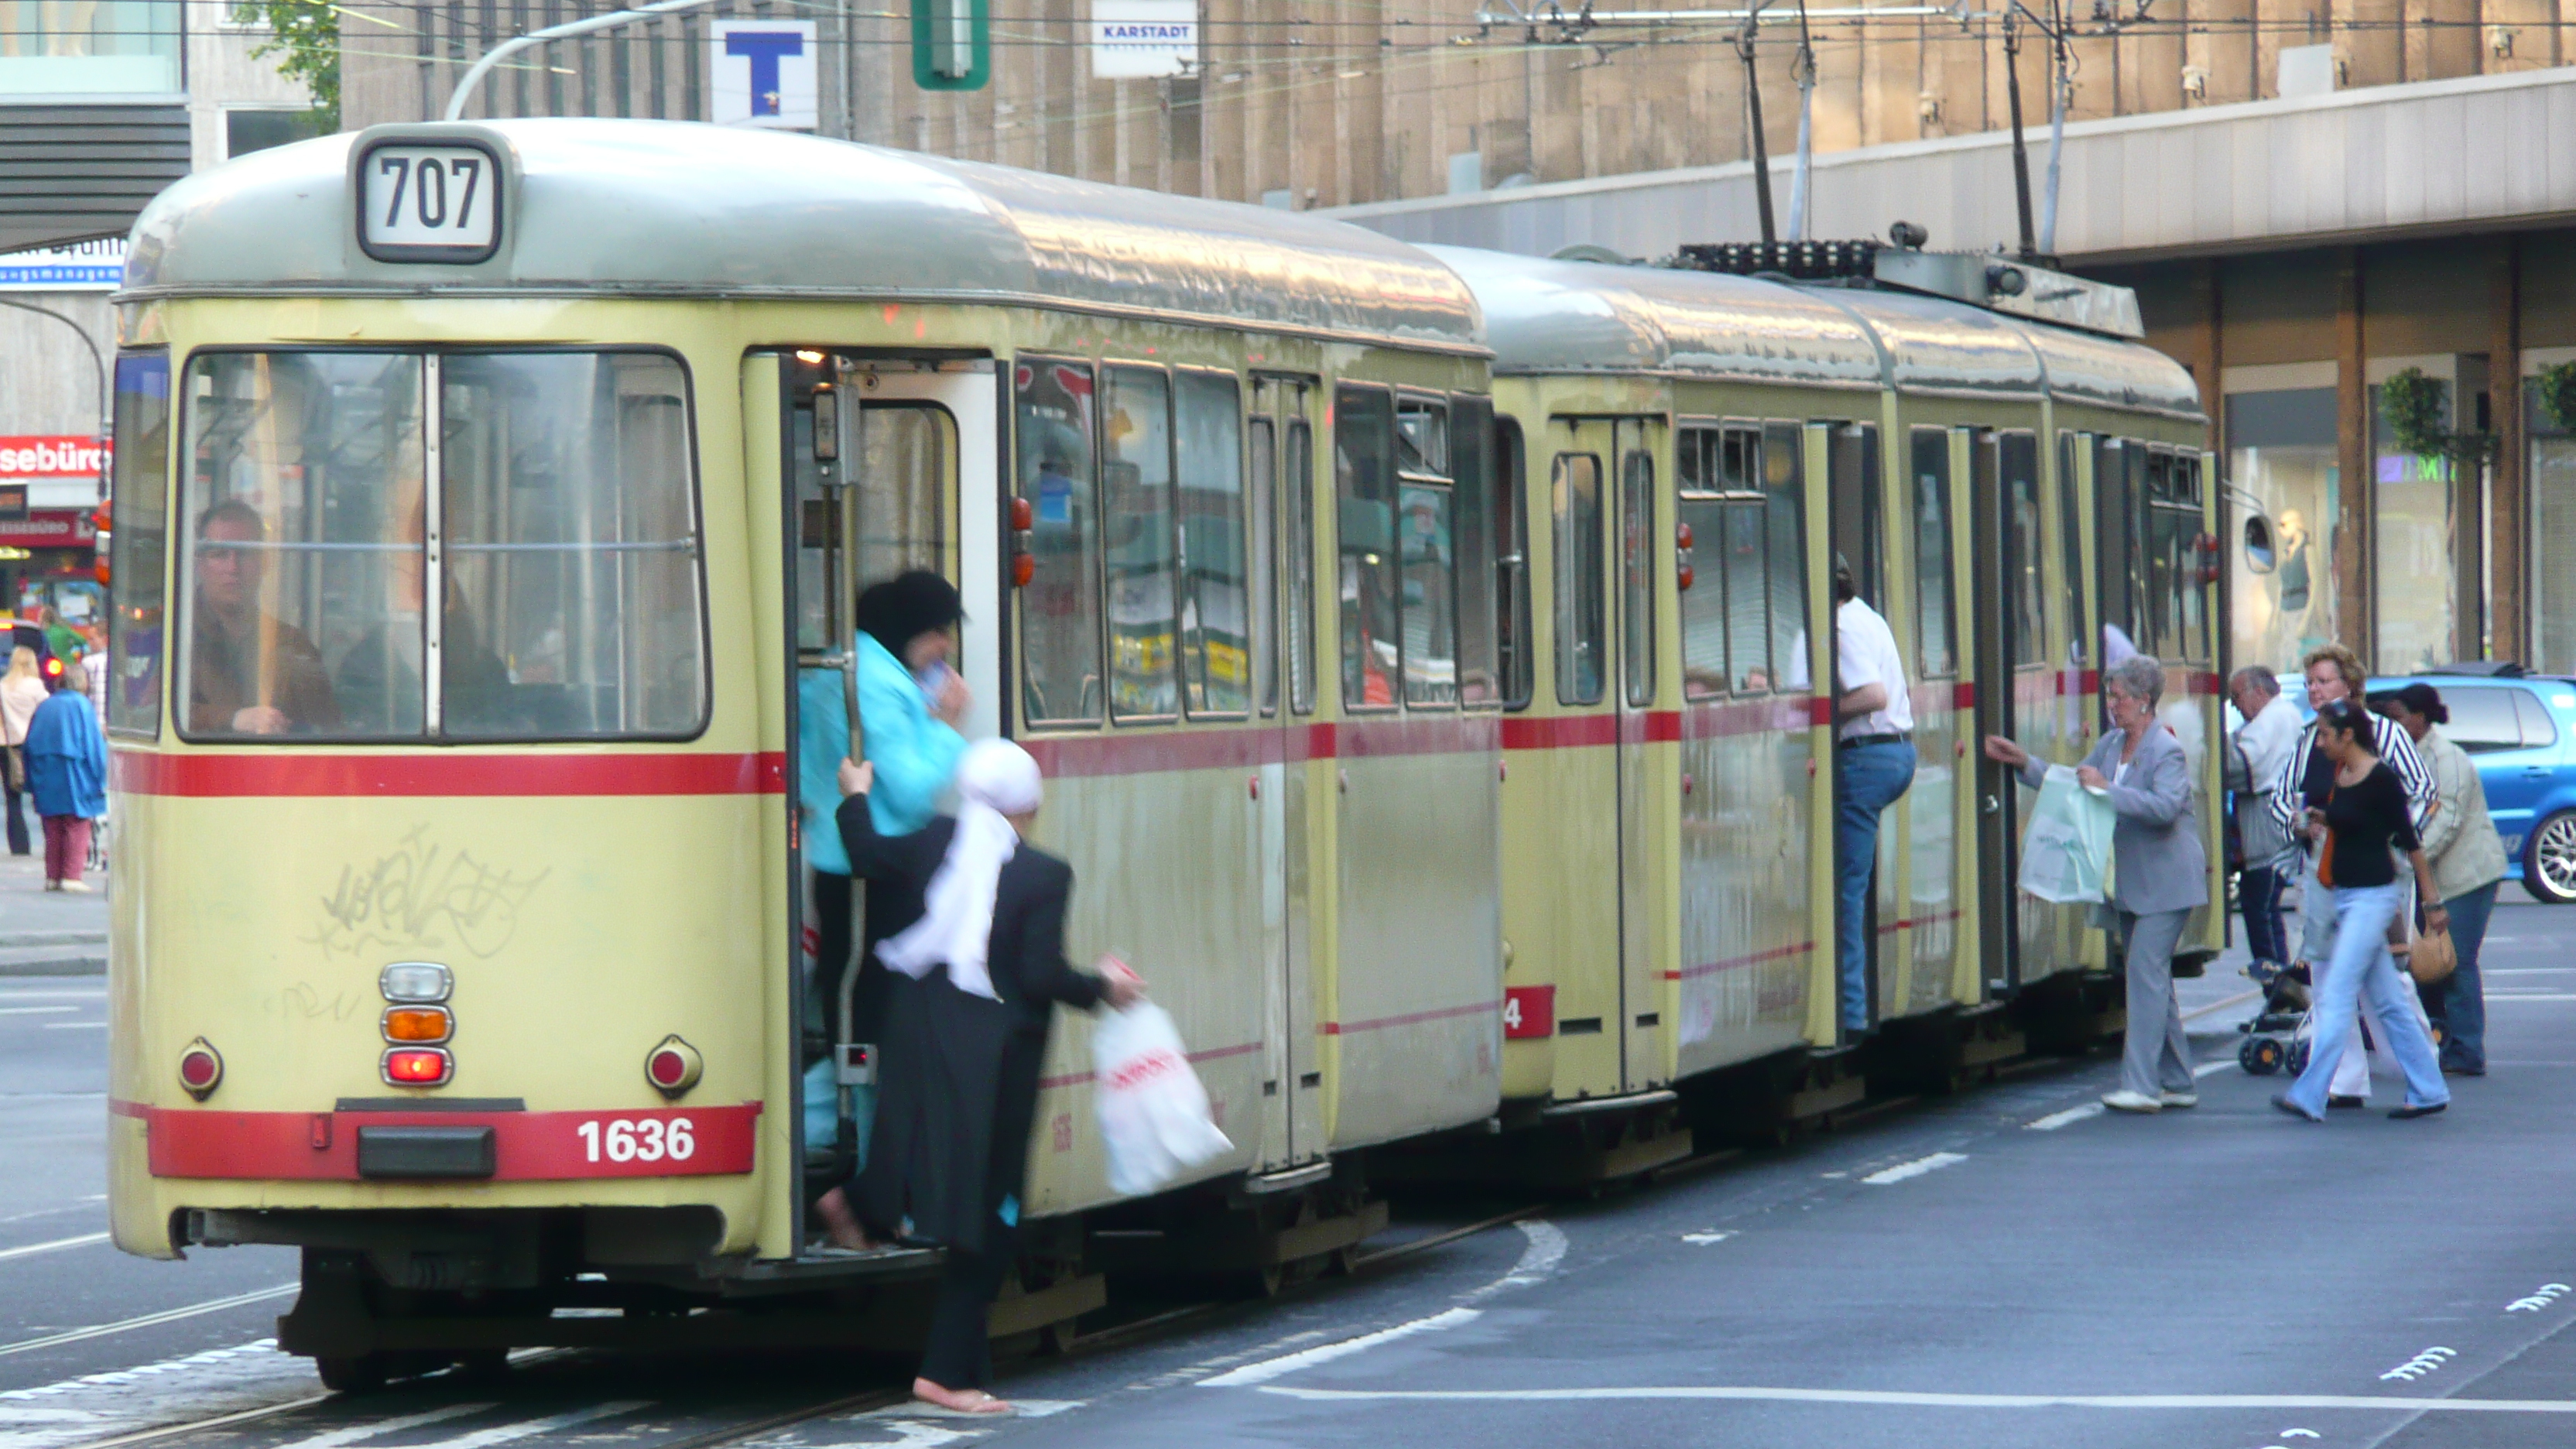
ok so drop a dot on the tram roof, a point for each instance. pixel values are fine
(679, 209)
(1547, 316)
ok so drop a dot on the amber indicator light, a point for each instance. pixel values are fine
(418, 1067)
(427, 1024)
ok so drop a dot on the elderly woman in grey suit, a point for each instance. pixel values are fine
(2159, 873)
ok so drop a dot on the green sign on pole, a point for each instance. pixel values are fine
(952, 44)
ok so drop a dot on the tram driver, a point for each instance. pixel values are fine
(249, 672)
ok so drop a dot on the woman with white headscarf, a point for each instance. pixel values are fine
(972, 990)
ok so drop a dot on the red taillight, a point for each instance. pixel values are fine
(53, 667)
(673, 1066)
(1683, 537)
(201, 1069)
(418, 1067)
(1684, 576)
(1023, 516)
(1024, 567)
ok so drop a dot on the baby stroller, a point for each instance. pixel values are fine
(2277, 1036)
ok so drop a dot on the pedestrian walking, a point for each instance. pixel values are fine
(22, 689)
(67, 775)
(2357, 815)
(2468, 863)
(972, 989)
(910, 706)
(2271, 854)
(2336, 673)
(1874, 763)
(2160, 874)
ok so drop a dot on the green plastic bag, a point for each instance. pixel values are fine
(2066, 852)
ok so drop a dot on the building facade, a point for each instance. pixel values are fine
(102, 104)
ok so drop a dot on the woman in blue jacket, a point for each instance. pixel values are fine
(67, 773)
(911, 703)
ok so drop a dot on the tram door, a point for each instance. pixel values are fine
(1642, 804)
(1852, 484)
(1279, 512)
(2016, 693)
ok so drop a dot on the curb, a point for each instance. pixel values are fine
(64, 966)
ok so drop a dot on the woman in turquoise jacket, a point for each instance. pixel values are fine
(911, 702)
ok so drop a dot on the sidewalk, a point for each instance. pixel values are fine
(45, 933)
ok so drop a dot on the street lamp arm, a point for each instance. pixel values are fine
(474, 76)
(106, 410)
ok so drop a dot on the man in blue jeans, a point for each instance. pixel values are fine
(1873, 768)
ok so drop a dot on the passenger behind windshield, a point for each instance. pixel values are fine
(250, 672)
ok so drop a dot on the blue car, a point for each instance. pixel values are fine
(2522, 731)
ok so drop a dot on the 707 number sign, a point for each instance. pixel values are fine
(429, 203)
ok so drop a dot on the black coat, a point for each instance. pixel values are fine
(957, 1075)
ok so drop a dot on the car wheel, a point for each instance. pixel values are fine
(2549, 861)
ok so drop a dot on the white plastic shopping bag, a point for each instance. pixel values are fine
(2066, 852)
(1153, 1112)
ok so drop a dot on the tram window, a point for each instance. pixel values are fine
(1422, 437)
(1136, 488)
(1581, 632)
(2017, 456)
(2191, 616)
(1262, 438)
(1060, 608)
(1478, 512)
(2070, 535)
(1370, 583)
(1785, 491)
(570, 531)
(1427, 537)
(1216, 641)
(2112, 542)
(900, 489)
(1935, 627)
(1637, 577)
(2157, 634)
(1511, 567)
(303, 570)
(1297, 485)
(1702, 509)
(139, 545)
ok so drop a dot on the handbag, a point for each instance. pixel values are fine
(18, 768)
(2433, 958)
(2325, 851)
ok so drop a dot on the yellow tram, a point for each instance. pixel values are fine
(1394, 729)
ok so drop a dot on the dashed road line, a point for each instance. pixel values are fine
(1919, 1166)
(57, 1245)
(2156, 1402)
(2067, 1118)
(1261, 1373)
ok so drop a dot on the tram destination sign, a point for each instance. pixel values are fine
(429, 201)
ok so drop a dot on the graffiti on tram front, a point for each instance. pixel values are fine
(424, 896)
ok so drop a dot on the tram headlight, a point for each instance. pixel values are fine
(418, 1067)
(427, 1025)
(415, 981)
(201, 1069)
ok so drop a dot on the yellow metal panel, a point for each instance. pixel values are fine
(757, 513)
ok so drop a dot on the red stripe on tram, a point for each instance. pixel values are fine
(197, 1142)
(1738, 963)
(347, 776)
(1411, 1018)
(1071, 1079)
(1173, 749)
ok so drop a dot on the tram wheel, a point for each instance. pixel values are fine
(363, 1374)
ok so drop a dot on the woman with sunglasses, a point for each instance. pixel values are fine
(2357, 814)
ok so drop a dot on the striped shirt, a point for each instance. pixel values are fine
(2396, 749)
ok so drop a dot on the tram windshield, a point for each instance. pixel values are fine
(567, 559)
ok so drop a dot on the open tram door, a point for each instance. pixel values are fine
(2019, 693)
(892, 466)
(1280, 510)
(1854, 517)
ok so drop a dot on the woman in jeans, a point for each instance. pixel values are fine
(2358, 816)
(2468, 862)
(2160, 873)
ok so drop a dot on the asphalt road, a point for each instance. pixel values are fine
(2003, 1268)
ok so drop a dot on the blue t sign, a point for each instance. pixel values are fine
(765, 48)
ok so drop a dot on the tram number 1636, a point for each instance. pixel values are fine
(638, 1139)
(428, 203)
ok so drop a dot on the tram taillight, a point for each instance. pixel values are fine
(418, 1067)
(1024, 564)
(201, 1069)
(673, 1066)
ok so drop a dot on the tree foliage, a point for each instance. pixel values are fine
(307, 34)
(2558, 394)
(2418, 412)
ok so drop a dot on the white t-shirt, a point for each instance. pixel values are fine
(1865, 653)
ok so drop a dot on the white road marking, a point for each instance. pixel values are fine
(1919, 1166)
(211, 1389)
(2420, 1365)
(1546, 1249)
(34, 1010)
(2168, 1402)
(172, 1315)
(75, 1026)
(1711, 1236)
(2067, 1118)
(355, 1432)
(2539, 1298)
(1263, 1372)
(2531, 996)
(2209, 1069)
(504, 1433)
(29, 1251)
